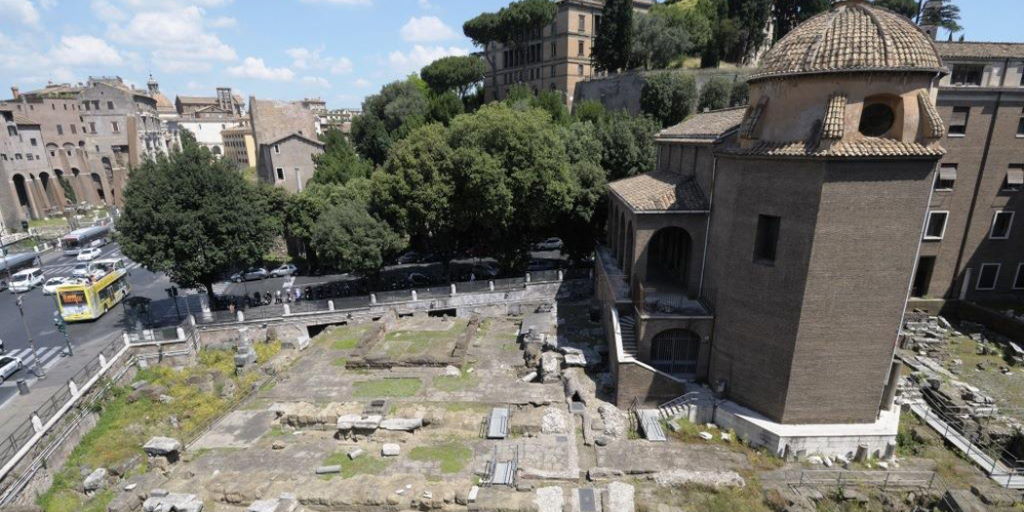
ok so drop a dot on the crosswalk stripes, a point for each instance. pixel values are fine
(48, 356)
(66, 270)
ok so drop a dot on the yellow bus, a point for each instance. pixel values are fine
(92, 297)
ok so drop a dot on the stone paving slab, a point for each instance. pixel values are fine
(239, 429)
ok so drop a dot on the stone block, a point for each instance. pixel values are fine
(390, 450)
(621, 497)
(550, 368)
(162, 447)
(355, 454)
(402, 424)
(328, 470)
(549, 499)
(359, 422)
(173, 502)
(95, 481)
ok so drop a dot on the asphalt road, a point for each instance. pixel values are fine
(38, 317)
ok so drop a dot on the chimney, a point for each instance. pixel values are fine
(15, 92)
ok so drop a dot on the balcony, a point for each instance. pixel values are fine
(666, 301)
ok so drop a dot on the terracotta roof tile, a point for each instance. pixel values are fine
(750, 119)
(852, 36)
(934, 127)
(705, 126)
(980, 50)
(661, 191)
(835, 117)
(867, 147)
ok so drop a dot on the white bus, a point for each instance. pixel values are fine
(83, 238)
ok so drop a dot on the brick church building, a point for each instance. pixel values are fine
(771, 253)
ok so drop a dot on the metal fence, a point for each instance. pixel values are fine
(46, 412)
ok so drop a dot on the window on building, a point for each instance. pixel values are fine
(60, 130)
(17, 156)
(74, 128)
(85, 104)
(65, 106)
(958, 123)
(946, 178)
(1014, 178)
(967, 74)
(12, 131)
(1018, 279)
(92, 128)
(583, 22)
(280, 173)
(33, 142)
(29, 156)
(1020, 122)
(1002, 223)
(936, 227)
(554, 71)
(110, 105)
(554, 49)
(579, 69)
(277, 149)
(767, 239)
(115, 127)
(3, 156)
(581, 48)
(988, 276)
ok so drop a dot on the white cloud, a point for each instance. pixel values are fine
(305, 58)
(253, 67)
(426, 29)
(223, 22)
(420, 56)
(20, 10)
(316, 81)
(178, 37)
(108, 12)
(85, 50)
(362, 83)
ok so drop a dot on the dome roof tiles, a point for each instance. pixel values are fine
(852, 36)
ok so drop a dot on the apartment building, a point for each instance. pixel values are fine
(239, 146)
(554, 57)
(973, 245)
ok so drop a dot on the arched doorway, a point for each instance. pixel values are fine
(675, 352)
(627, 265)
(21, 189)
(98, 184)
(668, 255)
(49, 188)
(106, 165)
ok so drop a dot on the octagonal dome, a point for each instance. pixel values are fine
(851, 36)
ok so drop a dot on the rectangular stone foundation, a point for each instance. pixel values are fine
(830, 440)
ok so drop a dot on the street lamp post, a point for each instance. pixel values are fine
(38, 369)
(62, 326)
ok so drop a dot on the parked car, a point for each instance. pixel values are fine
(551, 244)
(253, 274)
(50, 286)
(88, 254)
(81, 270)
(417, 279)
(409, 257)
(26, 280)
(285, 270)
(9, 365)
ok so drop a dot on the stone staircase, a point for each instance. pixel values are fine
(627, 325)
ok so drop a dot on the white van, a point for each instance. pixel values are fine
(26, 280)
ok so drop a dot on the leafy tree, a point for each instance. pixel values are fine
(740, 93)
(668, 97)
(188, 140)
(454, 73)
(414, 191)
(192, 217)
(351, 239)
(693, 16)
(627, 144)
(444, 107)
(509, 26)
(657, 41)
(552, 102)
(388, 116)
(907, 8)
(790, 13)
(941, 14)
(614, 43)
(715, 94)
(588, 111)
(339, 162)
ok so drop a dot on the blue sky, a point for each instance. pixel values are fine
(340, 50)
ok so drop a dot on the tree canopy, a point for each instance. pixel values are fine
(787, 14)
(668, 96)
(454, 73)
(194, 218)
(339, 162)
(715, 94)
(908, 8)
(613, 46)
(389, 115)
